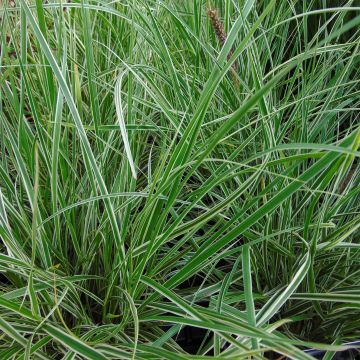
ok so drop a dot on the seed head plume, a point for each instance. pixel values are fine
(220, 33)
(217, 25)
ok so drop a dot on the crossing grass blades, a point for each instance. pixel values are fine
(179, 179)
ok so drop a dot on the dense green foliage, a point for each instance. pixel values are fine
(154, 179)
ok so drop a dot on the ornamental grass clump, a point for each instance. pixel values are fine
(179, 180)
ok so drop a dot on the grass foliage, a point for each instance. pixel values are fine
(163, 170)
